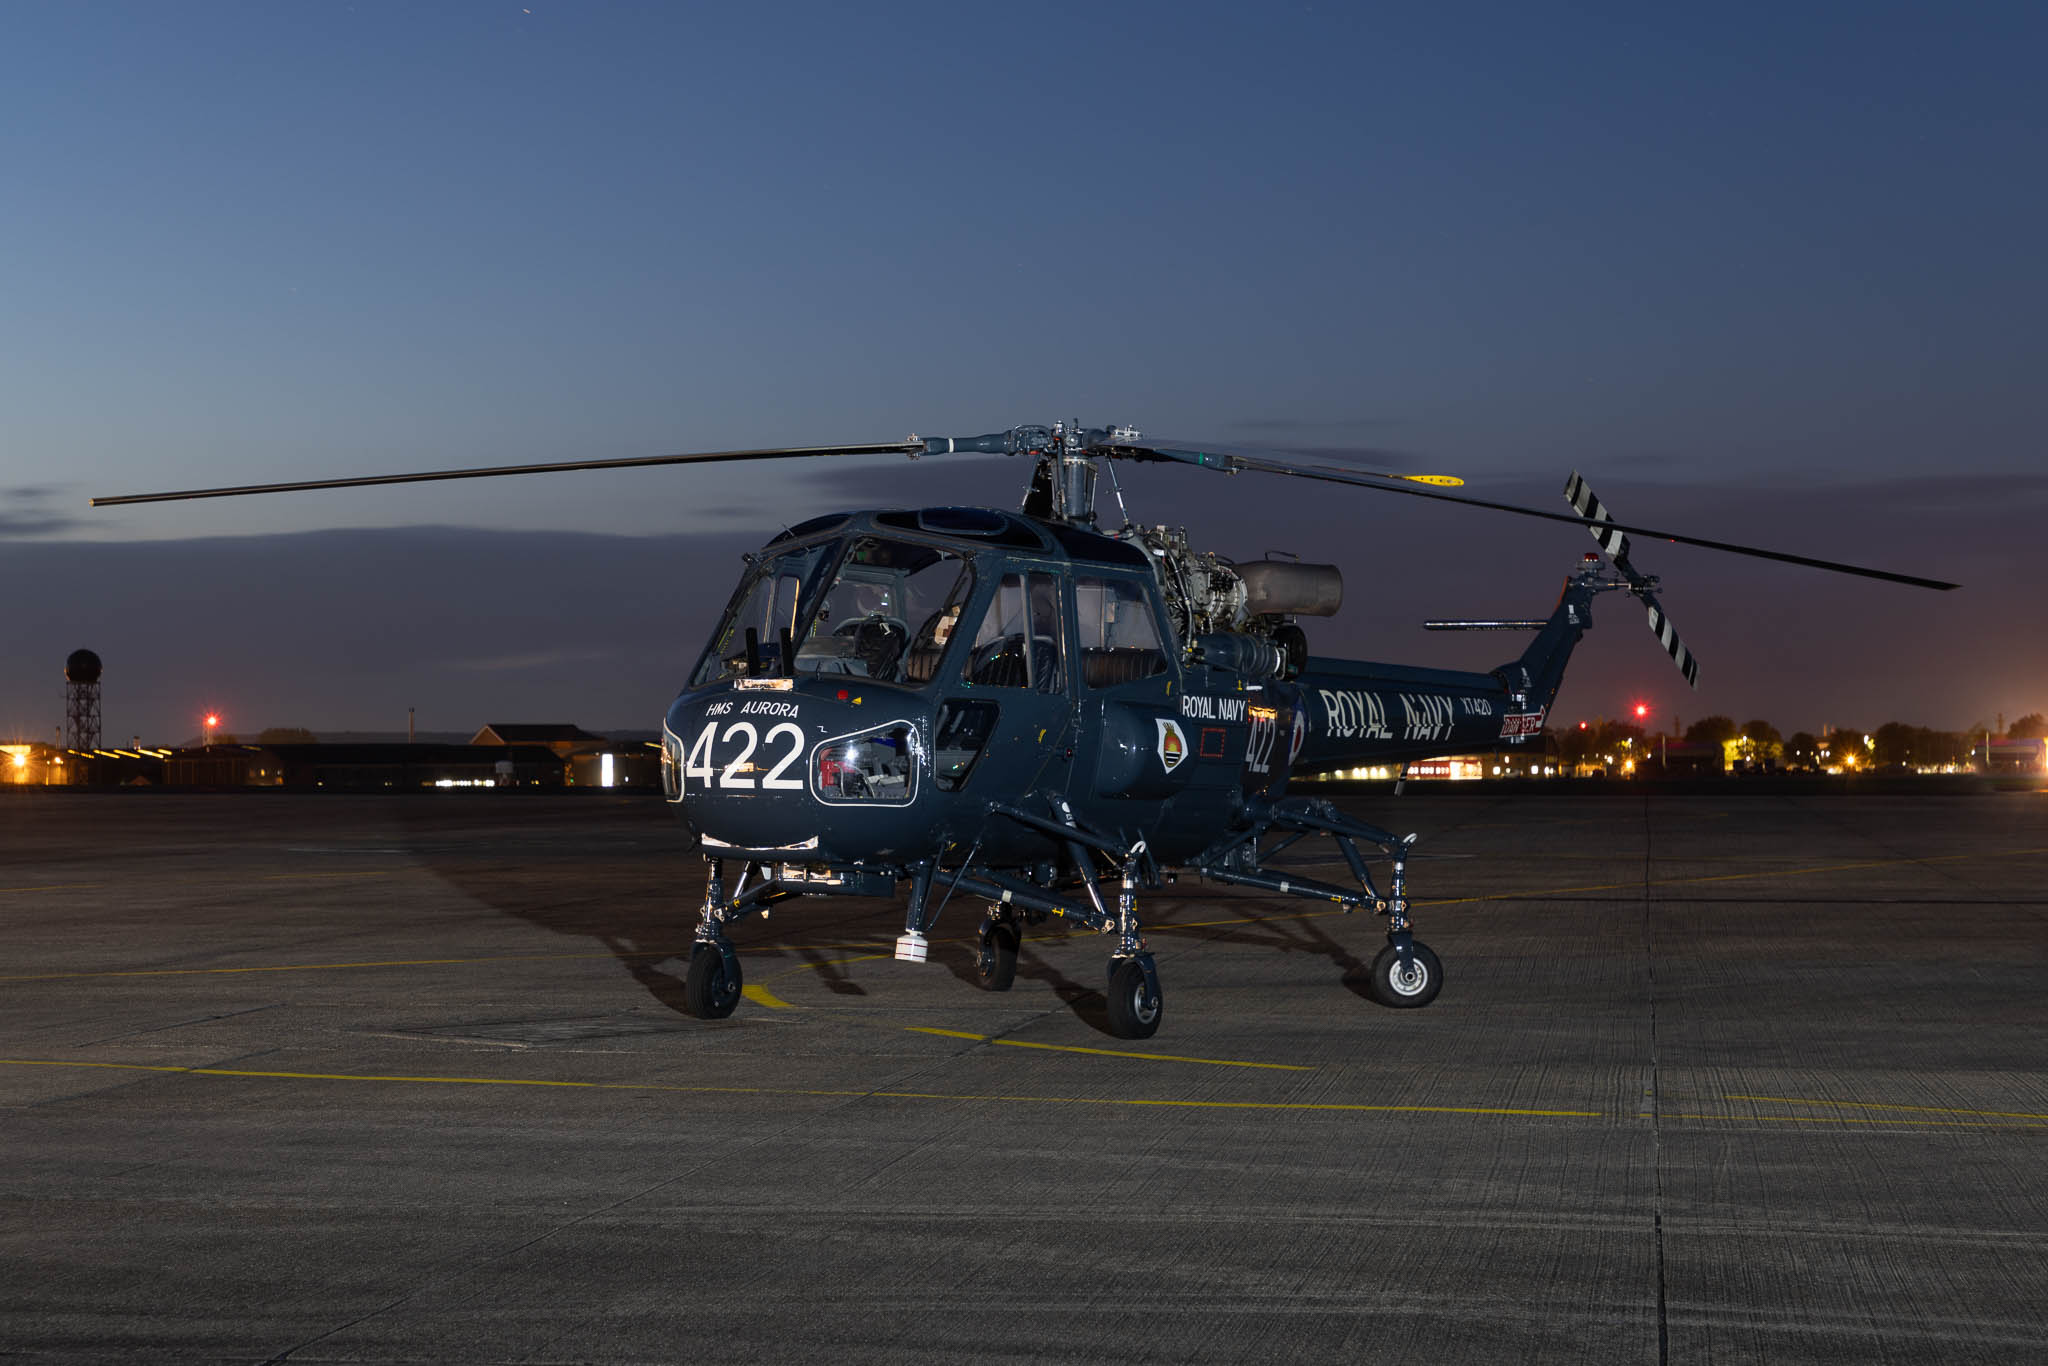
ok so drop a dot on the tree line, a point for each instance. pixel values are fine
(1848, 746)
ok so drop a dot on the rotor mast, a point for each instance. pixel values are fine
(1068, 459)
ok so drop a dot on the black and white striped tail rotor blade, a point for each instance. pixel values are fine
(1667, 636)
(1587, 504)
(1615, 542)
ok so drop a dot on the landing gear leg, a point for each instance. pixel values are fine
(1135, 1003)
(1134, 1000)
(1406, 974)
(712, 988)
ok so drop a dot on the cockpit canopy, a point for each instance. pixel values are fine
(863, 606)
(868, 604)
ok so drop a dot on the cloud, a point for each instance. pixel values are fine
(1296, 424)
(345, 630)
(24, 512)
(538, 659)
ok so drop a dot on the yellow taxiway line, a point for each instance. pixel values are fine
(1880, 1105)
(1911, 1116)
(1120, 1102)
(1105, 1052)
(1900, 1122)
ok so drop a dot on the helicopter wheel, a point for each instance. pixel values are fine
(710, 992)
(995, 955)
(1134, 1006)
(1406, 990)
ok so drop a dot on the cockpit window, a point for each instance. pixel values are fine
(1119, 633)
(888, 613)
(1018, 642)
(766, 610)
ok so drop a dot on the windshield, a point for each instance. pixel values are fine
(748, 642)
(885, 611)
(888, 613)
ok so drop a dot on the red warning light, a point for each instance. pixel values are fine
(1642, 710)
(1582, 725)
(212, 720)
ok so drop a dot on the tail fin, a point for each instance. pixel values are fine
(1538, 674)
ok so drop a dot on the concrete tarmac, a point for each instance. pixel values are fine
(1712, 1079)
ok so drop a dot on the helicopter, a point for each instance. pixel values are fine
(1047, 716)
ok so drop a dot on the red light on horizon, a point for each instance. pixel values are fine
(1642, 710)
(212, 720)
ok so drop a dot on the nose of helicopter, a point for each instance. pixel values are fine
(791, 769)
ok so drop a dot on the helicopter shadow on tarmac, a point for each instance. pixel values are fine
(1088, 1003)
(635, 894)
(633, 891)
(628, 888)
(1287, 934)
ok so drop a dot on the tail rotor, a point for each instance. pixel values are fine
(1614, 543)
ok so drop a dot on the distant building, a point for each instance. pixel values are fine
(2014, 756)
(395, 767)
(501, 756)
(564, 740)
(1678, 756)
(1537, 760)
(121, 767)
(27, 763)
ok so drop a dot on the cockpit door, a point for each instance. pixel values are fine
(1021, 665)
(1129, 693)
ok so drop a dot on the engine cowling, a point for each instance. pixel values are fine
(1290, 588)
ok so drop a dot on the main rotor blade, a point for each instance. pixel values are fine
(1381, 464)
(910, 447)
(1233, 463)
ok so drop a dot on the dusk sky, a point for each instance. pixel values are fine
(1763, 273)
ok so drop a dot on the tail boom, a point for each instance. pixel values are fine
(1357, 712)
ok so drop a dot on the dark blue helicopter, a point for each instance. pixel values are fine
(1046, 718)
